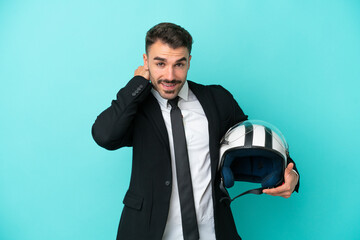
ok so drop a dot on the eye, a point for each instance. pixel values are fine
(160, 64)
(180, 65)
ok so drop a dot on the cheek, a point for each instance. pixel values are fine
(181, 73)
(155, 73)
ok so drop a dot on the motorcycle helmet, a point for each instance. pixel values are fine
(252, 151)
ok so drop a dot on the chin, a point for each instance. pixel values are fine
(169, 95)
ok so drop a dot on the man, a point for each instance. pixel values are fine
(145, 116)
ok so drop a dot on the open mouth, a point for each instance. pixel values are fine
(168, 85)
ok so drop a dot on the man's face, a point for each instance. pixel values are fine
(168, 68)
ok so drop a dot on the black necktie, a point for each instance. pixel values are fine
(188, 215)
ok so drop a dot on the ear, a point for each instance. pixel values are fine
(145, 58)
(189, 62)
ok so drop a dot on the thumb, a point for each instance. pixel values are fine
(289, 168)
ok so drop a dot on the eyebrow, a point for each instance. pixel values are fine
(164, 59)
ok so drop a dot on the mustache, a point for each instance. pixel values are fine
(168, 81)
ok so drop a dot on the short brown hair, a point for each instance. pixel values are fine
(169, 33)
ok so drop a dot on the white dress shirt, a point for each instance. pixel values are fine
(197, 139)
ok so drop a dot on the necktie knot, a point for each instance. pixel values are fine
(174, 102)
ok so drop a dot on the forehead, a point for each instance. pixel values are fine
(163, 50)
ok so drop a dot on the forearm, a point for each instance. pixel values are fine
(113, 127)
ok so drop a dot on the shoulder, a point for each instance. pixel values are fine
(218, 98)
(217, 91)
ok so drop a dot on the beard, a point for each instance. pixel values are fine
(166, 93)
(158, 82)
(168, 82)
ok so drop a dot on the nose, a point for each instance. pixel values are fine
(170, 73)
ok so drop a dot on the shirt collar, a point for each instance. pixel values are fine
(183, 94)
(184, 91)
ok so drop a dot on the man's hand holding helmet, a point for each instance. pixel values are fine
(291, 179)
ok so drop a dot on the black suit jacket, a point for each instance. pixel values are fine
(135, 119)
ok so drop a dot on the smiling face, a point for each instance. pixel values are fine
(168, 68)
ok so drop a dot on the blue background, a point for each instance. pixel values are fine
(295, 64)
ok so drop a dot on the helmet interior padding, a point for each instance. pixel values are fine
(256, 165)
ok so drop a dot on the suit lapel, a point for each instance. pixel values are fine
(153, 112)
(207, 102)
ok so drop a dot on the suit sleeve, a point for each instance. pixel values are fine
(113, 128)
(236, 113)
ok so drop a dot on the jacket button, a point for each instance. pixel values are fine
(167, 183)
